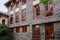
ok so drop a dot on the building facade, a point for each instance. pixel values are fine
(31, 20)
(3, 18)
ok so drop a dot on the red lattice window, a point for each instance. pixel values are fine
(24, 29)
(17, 30)
(49, 31)
(36, 32)
(11, 19)
(48, 10)
(11, 6)
(17, 4)
(36, 11)
(23, 14)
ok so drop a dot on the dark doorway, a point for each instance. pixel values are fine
(3, 21)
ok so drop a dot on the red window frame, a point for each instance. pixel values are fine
(17, 30)
(23, 2)
(49, 30)
(23, 14)
(24, 29)
(36, 32)
(17, 17)
(36, 8)
(11, 6)
(17, 4)
(11, 19)
(49, 11)
(37, 29)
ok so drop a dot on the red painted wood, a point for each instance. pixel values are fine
(36, 32)
(17, 30)
(36, 11)
(11, 19)
(24, 29)
(46, 12)
(17, 17)
(23, 14)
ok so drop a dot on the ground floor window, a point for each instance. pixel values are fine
(36, 32)
(49, 31)
(24, 29)
(17, 30)
(12, 30)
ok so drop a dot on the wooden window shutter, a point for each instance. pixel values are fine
(17, 29)
(49, 9)
(24, 29)
(37, 11)
(17, 17)
(49, 31)
(23, 14)
(37, 8)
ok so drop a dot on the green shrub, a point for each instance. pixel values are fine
(4, 33)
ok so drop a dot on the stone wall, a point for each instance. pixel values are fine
(57, 30)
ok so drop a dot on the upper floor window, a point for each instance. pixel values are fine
(49, 9)
(36, 11)
(17, 17)
(23, 14)
(23, 2)
(11, 19)
(11, 6)
(17, 4)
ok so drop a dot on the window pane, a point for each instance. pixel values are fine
(49, 10)
(36, 11)
(23, 14)
(17, 29)
(49, 31)
(11, 19)
(17, 17)
(24, 29)
(36, 32)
